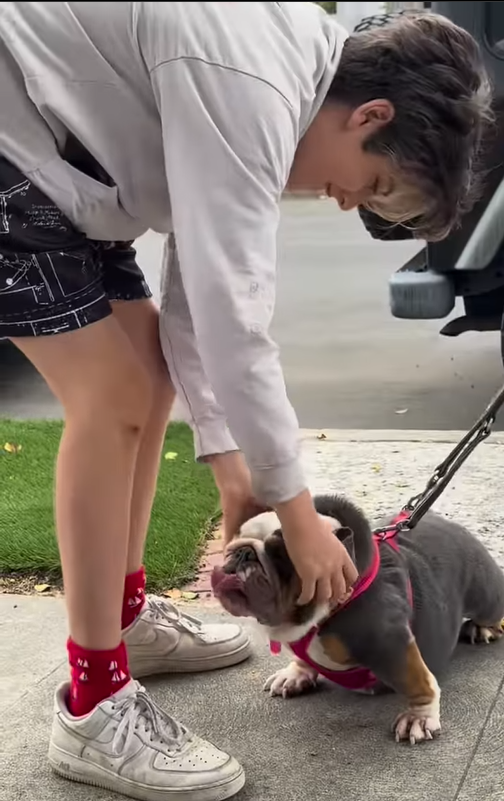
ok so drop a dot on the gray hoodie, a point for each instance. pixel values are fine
(195, 111)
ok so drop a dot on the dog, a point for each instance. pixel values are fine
(419, 592)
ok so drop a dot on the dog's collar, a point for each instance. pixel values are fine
(363, 582)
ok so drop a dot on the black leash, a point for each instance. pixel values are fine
(417, 506)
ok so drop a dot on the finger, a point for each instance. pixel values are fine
(307, 592)
(350, 572)
(338, 587)
(345, 597)
(324, 591)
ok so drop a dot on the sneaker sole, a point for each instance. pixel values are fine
(74, 769)
(140, 668)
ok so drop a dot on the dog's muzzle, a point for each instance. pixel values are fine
(245, 584)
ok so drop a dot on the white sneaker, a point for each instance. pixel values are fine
(127, 744)
(163, 640)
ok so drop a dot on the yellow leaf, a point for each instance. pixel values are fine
(170, 455)
(189, 596)
(10, 448)
(173, 594)
(42, 587)
(376, 468)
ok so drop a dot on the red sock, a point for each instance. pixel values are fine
(134, 597)
(96, 675)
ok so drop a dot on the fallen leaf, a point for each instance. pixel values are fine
(170, 455)
(376, 468)
(321, 436)
(189, 595)
(42, 587)
(173, 594)
(10, 448)
(401, 411)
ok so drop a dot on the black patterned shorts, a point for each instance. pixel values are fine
(52, 278)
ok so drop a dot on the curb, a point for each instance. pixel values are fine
(390, 435)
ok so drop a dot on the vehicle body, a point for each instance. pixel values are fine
(470, 263)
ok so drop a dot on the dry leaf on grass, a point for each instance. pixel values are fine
(42, 587)
(9, 447)
(170, 455)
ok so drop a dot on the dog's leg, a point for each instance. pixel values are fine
(421, 721)
(295, 679)
(476, 633)
(395, 659)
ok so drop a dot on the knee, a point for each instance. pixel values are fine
(119, 401)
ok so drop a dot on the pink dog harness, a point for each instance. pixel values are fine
(358, 678)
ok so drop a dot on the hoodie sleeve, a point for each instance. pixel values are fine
(206, 416)
(229, 141)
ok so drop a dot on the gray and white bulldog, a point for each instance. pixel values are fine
(419, 592)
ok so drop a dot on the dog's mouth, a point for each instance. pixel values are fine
(229, 588)
(245, 587)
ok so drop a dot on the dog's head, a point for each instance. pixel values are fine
(258, 578)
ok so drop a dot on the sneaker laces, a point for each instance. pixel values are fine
(139, 708)
(168, 613)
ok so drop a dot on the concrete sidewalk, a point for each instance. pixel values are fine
(330, 745)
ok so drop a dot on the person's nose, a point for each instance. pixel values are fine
(347, 200)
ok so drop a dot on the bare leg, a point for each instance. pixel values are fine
(139, 320)
(106, 394)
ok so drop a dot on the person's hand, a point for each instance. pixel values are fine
(234, 483)
(322, 562)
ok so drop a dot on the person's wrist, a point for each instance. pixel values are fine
(230, 472)
(297, 515)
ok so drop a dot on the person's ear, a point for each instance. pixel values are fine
(371, 116)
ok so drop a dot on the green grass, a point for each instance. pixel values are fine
(185, 507)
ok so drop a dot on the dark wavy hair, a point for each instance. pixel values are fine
(433, 74)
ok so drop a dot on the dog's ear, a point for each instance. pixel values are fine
(346, 536)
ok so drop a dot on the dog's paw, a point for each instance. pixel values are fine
(295, 679)
(416, 728)
(475, 634)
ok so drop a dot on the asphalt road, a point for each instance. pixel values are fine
(348, 363)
